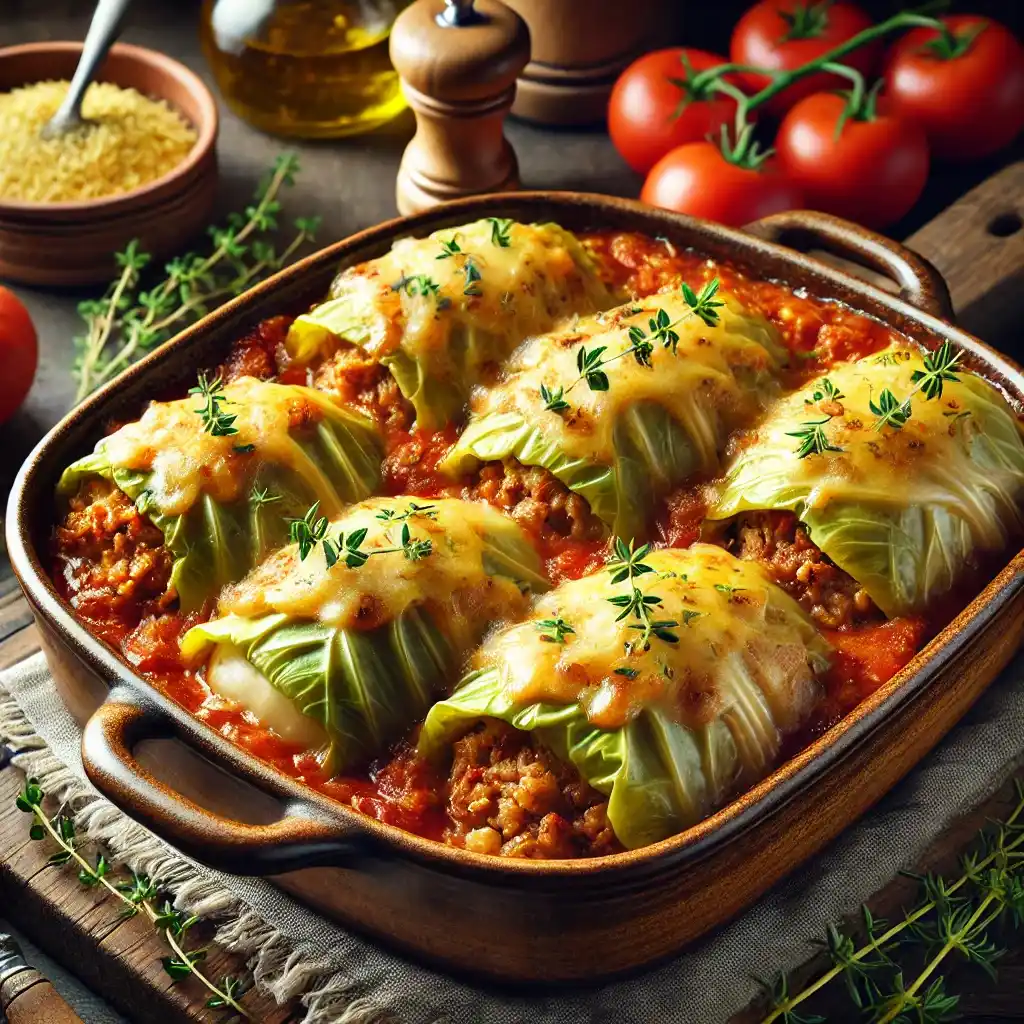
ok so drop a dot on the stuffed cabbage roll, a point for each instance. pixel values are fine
(668, 681)
(341, 640)
(220, 472)
(443, 312)
(897, 472)
(622, 406)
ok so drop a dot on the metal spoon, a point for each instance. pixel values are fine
(103, 30)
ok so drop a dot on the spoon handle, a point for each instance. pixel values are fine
(103, 30)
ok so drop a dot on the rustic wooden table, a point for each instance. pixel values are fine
(977, 243)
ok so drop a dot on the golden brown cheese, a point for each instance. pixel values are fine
(453, 579)
(186, 460)
(727, 614)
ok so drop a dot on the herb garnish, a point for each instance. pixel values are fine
(472, 272)
(591, 362)
(725, 588)
(554, 401)
(416, 284)
(244, 449)
(139, 895)
(389, 515)
(890, 411)
(215, 420)
(312, 529)
(813, 440)
(500, 228)
(554, 631)
(449, 249)
(828, 391)
(263, 497)
(629, 673)
(627, 563)
(938, 368)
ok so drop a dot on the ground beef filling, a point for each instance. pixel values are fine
(114, 559)
(507, 797)
(536, 499)
(780, 542)
(353, 377)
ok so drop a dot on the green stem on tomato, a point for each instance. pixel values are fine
(907, 19)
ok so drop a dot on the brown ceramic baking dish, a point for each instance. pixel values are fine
(523, 920)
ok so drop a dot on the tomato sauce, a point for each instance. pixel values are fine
(400, 789)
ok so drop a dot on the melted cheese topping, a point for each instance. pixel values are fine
(716, 378)
(525, 287)
(171, 443)
(730, 619)
(452, 579)
(930, 460)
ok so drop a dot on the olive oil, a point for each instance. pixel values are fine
(307, 68)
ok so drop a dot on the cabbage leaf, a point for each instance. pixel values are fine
(364, 649)
(905, 511)
(442, 319)
(652, 429)
(223, 502)
(705, 713)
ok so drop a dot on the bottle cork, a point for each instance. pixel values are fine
(458, 62)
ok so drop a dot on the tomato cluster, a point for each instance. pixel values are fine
(950, 88)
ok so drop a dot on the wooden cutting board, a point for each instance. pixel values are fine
(978, 246)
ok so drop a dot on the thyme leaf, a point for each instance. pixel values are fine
(215, 420)
(812, 437)
(554, 631)
(129, 320)
(139, 895)
(500, 231)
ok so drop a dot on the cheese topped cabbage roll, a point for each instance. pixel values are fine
(624, 405)
(902, 466)
(443, 312)
(341, 640)
(220, 472)
(668, 681)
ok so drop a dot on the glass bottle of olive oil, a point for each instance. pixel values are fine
(307, 68)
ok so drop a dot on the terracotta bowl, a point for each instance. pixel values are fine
(73, 243)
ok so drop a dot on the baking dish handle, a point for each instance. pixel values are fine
(919, 282)
(302, 836)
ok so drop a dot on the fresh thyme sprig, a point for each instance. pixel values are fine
(590, 363)
(938, 368)
(891, 412)
(554, 631)
(449, 249)
(951, 918)
(812, 437)
(312, 529)
(500, 228)
(827, 392)
(473, 276)
(138, 895)
(627, 563)
(215, 420)
(413, 511)
(128, 321)
(416, 284)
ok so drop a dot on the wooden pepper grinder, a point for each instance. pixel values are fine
(458, 61)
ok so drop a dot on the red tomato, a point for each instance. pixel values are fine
(780, 35)
(696, 179)
(649, 113)
(970, 104)
(19, 353)
(872, 173)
